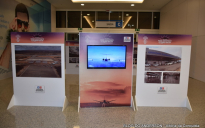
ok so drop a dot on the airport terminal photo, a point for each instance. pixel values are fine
(163, 59)
(102, 63)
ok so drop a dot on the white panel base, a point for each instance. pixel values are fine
(133, 103)
(188, 105)
(136, 103)
(12, 102)
(78, 104)
(65, 104)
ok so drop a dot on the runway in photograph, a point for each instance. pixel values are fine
(38, 61)
(152, 77)
(163, 58)
(171, 77)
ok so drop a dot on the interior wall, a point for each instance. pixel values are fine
(187, 17)
(38, 16)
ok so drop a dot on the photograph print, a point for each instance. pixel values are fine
(38, 61)
(72, 60)
(152, 77)
(135, 53)
(73, 51)
(134, 61)
(163, 58)
(171, 77)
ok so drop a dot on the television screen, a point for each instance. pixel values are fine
(106, 56)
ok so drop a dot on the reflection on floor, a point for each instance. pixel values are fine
(115, 117)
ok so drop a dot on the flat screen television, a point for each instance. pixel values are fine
(106, 56)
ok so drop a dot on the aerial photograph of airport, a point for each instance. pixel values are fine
(171, 77)
(163, 58)
(152, 77)
(38, 61)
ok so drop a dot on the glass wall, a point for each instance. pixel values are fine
(88, 19)
(156, 18)
(73, 19)
(72, 36)
(116, 16)
(102, 15)
(145, 20)
(60, 19)
(130, 20)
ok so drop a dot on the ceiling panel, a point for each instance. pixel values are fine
(146, 5)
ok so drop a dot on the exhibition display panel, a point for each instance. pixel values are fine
(38, 69)
(105, 69)
(163, 70)
(72, 57)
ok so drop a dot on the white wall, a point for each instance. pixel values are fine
(53, 19)
(187, 17)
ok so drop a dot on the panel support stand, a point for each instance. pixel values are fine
(78, 104)
(11, 104)
(188, 105)
(65, 104)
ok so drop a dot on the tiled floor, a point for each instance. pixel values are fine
(53, 117)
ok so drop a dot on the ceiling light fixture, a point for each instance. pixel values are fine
(107, 1)
(127, 20)
(88, 14)
(82, 4)
(88, 20)
(132, 4)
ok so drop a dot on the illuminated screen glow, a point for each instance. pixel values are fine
(106, 56)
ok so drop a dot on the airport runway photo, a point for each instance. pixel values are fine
(38, 61)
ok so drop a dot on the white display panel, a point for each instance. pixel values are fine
(27, 85)
(174, 77)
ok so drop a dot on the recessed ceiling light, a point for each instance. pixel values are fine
(127, 14)
(82, 4)
(88, 14)
(132, 4)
